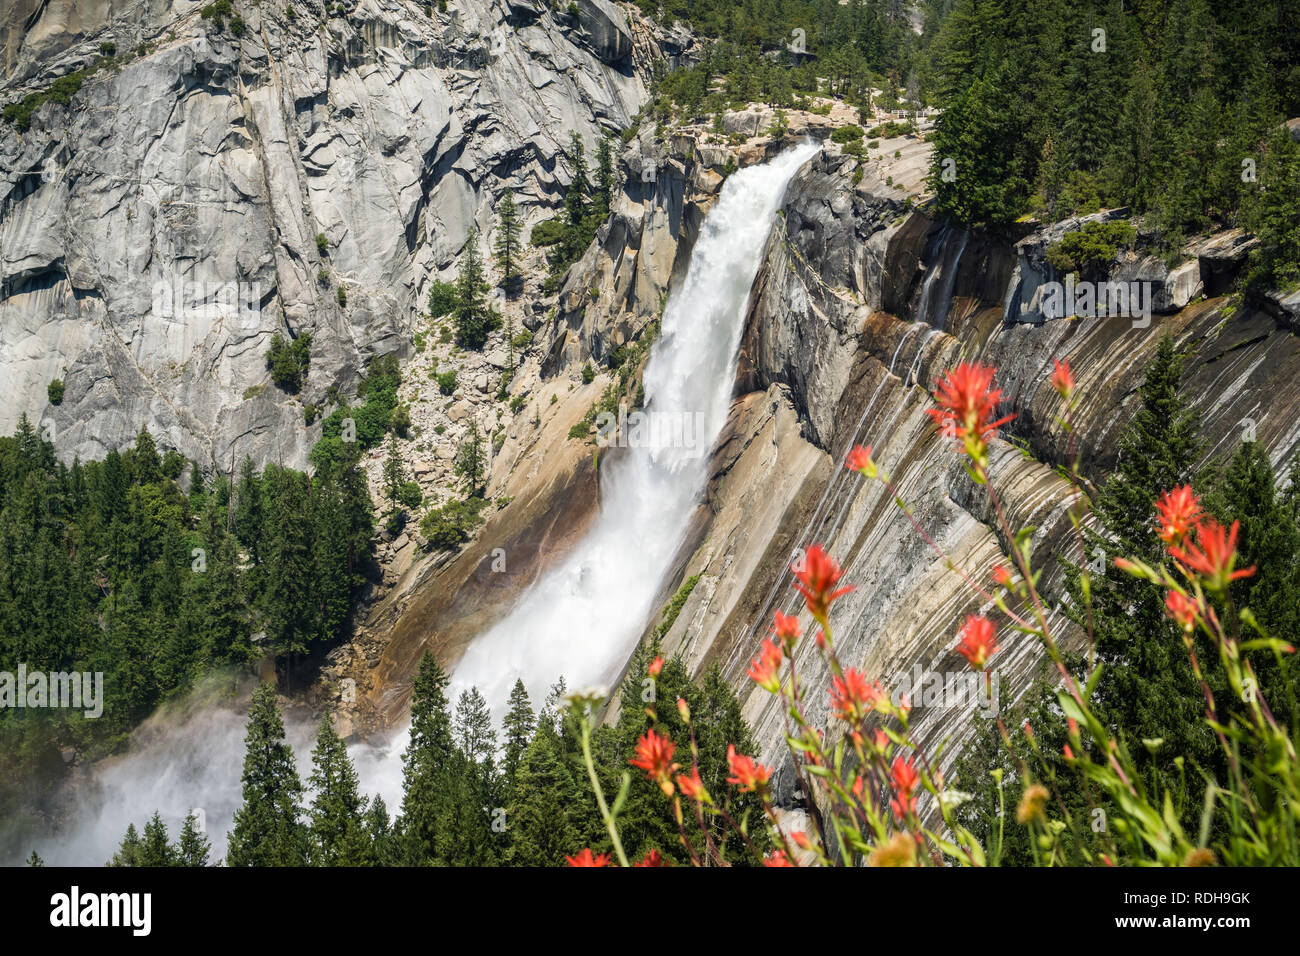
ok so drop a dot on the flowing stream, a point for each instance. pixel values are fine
(580, 621)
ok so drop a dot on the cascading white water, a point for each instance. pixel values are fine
(584, 617)
(580, 621)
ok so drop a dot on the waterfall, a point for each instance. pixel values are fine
(945, 274)
(581, 620)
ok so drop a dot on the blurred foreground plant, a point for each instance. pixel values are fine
(877, 797)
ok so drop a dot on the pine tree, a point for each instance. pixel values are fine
(379, 835)
(507, 241)
(291, 608)
(470, 316)
(395, 474)
(249, 511)
(267, 829)
(155, 850)
(541, 833)
(604, 194)
(193, 847)
(517, 730)
(473, 726)
(470, 463)
(335, 815)
(128, 853)
(429, 770)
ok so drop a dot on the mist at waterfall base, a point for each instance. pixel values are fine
(580, 621)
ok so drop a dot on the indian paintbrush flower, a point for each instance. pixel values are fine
(746, 772)
(654, 755)
(818, 574)
(967, 403)
(764, 669)
(1178, 511)
(1213, 555)
(976, 642)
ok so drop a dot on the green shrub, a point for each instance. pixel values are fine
(1091, 248)
(343, 295)
(452, 524)
(401, 420)
(517, 403)
(409, 495)
(310, 413)
(289, 361)
(54, 391)
(847, 134)
(447, 382)
(588, 374)
(674, 607)
(442, 299)
(547, 232)
(217, 11)
(60, 91)
(322, 243)
(522, 340)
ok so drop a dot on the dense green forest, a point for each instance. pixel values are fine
(1147, 692)
(1170, 107)
(780, 51)
(110, 566)
(471, 796)
(1173, 108)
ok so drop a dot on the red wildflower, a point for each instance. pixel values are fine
(967, 403)
(801, 840)
(1214, 554)
(1001, 576)
(1062, 379)
(692, 787)
(853, 696)
(777, 858)
(976, 644)
(1069, 754)
(786, 628)
(1178, 511)
(586, 859)
(905, 778)
(1182, 609)
(904, 774)
(746, 772)
(653, 858)
(656, 666)
(763, 669)
(859, 460)
(654, 755)
(817, 580)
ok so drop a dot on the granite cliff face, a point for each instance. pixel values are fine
(157, 233)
